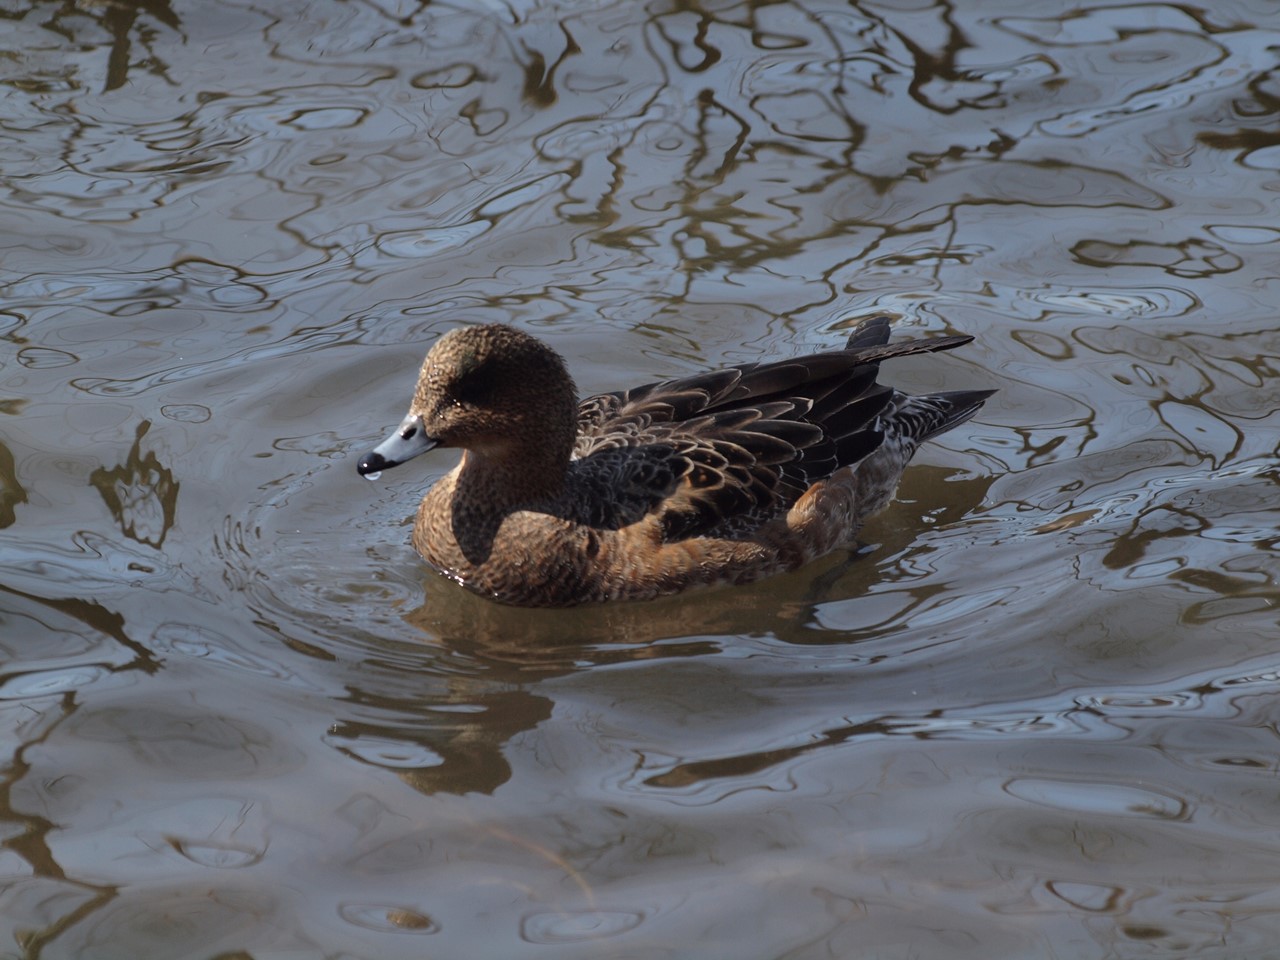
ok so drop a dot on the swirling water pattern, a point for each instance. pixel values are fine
(1035, 716)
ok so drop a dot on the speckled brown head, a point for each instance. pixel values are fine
(492, 390)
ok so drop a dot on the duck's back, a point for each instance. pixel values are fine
(721, 454)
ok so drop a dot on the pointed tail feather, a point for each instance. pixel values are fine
(870, 338)
(921, 418)
(871, 332)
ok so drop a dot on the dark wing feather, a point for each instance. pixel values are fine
(720, 453)
(621, 418)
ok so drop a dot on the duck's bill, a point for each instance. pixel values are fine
(408, 440)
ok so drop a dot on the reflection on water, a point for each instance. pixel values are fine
(140, 493)
(1034, 715)
(11, 492)
(91, 28)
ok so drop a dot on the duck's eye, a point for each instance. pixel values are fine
(473, 390)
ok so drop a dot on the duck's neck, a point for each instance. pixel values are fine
(489, 488)
(512, 479)
(525, 466)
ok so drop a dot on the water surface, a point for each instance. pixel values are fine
(1034, 716)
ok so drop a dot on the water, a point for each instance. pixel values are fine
(1035, 716)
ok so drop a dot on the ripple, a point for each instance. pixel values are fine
(202, 643)
(1243, 234)
(386, 752)
(414, 244)
(1099, 25)
(186, 412)
(1094, 797)
(216, 855)
(1149, 302)
(44, 683)
(327, 118)
(1264, 158)
(565, 927)
(387, 919)
(969, 727)
(299, 343)
(1126, 703)
(1090, 897)
(46, 358)
(180, 743)
(523, 195)
(1190, 258)
(1205, 432)
(949, 608)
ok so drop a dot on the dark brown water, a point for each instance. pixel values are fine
(1035, 717)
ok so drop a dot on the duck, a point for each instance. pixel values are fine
(723, 477)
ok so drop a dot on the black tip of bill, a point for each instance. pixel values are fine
(372, 464)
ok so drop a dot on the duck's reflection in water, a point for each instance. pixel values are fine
(486, 672)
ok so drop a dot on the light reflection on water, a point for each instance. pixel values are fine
(1033, 716)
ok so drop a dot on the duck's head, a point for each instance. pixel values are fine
(488, 389)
